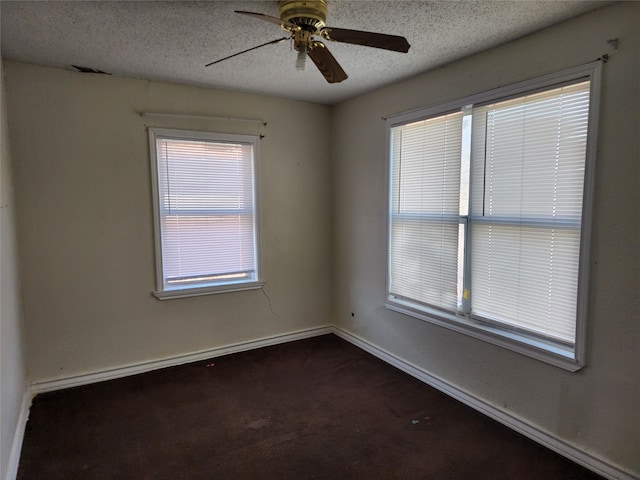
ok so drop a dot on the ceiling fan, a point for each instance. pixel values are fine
(306, 19)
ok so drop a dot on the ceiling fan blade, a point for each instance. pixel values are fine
(326, 63)
(277, 40)
(269, 18)
(369, 39)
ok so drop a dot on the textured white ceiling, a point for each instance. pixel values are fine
(172, 41)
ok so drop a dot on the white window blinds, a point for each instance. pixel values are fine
(424, 217)
(206, 210)
(528, 162)
(489, 206)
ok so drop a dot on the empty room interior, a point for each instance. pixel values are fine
(325, 251)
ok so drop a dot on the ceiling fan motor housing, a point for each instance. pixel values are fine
(309, 15)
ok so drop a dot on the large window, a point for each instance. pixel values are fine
(204, 189)
(489, 214)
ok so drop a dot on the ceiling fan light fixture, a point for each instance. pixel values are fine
(301, 41)
(301, 60)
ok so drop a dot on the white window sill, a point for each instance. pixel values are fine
(563, 357)
(211, 290)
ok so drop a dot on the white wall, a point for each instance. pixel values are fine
(595, 409)
(83, 194)
(12, 371)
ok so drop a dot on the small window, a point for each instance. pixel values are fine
(204, 189)
(489, 214)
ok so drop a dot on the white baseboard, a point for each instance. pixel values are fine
(142, 367)
(18, 436)
(592, 462)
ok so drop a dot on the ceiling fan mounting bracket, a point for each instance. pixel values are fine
(309, 15)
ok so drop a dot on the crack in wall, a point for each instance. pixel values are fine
(270, 305)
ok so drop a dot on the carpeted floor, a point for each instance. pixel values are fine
(313, 409)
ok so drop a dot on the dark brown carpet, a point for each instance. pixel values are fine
(313, 409)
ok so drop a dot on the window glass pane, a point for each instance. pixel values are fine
(206, 209)
(424, 256)
(425, 199)
(528, 163)
(528, 155)
(207, 248)
(526, 277)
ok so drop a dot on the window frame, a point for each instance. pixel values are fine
(553, 353)
(161, 292)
